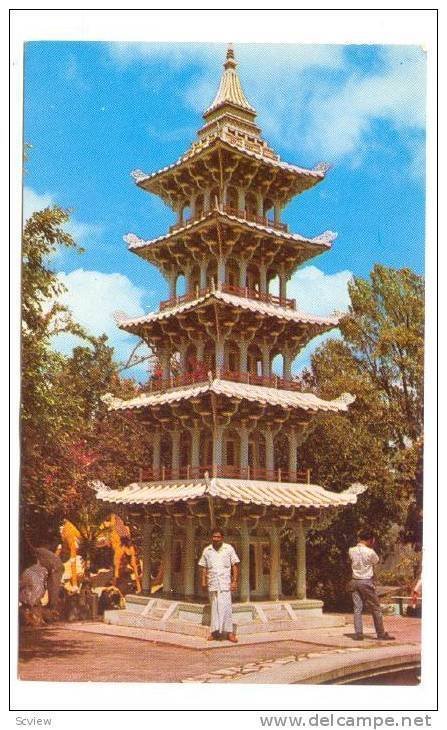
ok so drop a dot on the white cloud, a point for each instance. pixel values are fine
(320, 293)
(72, 73)
(82, 231)
(33, 202)
(341, 118)
(417, 165)
(310, 98)
(93, 297)
(173, 54)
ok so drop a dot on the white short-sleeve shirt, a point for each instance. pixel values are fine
(218, 565)
(363, 559)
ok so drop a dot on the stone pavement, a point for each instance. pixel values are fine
(80, 653)
(318, 667)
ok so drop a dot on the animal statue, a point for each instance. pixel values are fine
(112, 532)
(71, 539)
(123, 550)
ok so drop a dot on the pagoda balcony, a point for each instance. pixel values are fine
(237, 213)
(189, 297)
(252, 218)
(202, 375)
(238, 291)
(164, 473)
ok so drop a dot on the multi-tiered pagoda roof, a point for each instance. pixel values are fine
(217, 415)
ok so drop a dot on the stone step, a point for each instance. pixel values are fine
(162, 603)
(157, 614)
(136, 620)
(176, 626)
(277, 612)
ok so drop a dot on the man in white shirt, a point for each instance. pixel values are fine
(363, 559)
(220, 574)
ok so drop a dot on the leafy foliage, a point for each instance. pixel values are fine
(66, 438)
(379, 441)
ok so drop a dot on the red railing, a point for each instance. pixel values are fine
(164, 473)
(261, 220)
(201, 375)
(238, 291)
(270, 381)
(252, 218)
(189, 297)
(157, 385)
(247, 293)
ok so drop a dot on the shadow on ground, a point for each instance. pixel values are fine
(43, 644)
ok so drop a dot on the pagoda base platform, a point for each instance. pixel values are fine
(193, 619)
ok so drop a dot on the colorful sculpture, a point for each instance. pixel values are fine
(113, 532)
(70, 540)
(123, 550)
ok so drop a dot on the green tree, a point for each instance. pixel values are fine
(42, 415)
(67, 437)
(384, 331)
(378, 443)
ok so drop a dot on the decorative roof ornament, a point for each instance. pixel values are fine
(138, 175)
(120, 317)
(322, 167)
(328, 237)
(99, 486)
(110, 401)
(230, 89)
(345, 399)
(131, 239)
(356, 488)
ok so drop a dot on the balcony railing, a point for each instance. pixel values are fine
(261, 220)
(165, 473)
(247, 293)
(161, 385)
(252, 218)
(267, 381)
(189, 297)
(202, 375)
(238, 291)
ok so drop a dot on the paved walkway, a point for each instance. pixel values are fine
(65, 653)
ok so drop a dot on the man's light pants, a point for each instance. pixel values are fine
(221, 612)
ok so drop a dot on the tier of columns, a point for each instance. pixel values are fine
(239, 198)
(221, 271)
(220, 448)
(189, 559)
(242, 356)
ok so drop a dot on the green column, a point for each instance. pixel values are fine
(301, 560)
(147, 555)
(167, 555)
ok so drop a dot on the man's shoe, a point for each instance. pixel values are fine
(386, 637)
(215, 636)
(358, 637)
(233, 638)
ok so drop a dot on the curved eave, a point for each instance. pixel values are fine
(319, 244)
(240, 391)
(147, 181)
(252, 305)
(238, 491)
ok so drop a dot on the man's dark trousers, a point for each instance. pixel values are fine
(364, 592)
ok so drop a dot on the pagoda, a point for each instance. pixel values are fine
(223, 428)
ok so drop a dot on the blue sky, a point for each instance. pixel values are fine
(95, 111)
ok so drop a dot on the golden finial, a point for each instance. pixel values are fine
(230, 60)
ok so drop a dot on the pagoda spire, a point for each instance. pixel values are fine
(230, 89)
